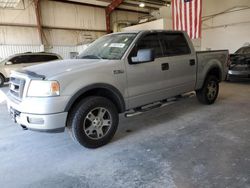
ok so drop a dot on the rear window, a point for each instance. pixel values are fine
(174, 44)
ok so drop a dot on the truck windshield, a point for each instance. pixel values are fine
(108, 47)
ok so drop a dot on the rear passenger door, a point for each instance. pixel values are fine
(181, 60)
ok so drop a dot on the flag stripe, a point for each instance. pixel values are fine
(177, 15)
(187, 16)
(193, 19)
(173, 16)
(200, 9)
(182, 16)
(188, 19)
(196, 17)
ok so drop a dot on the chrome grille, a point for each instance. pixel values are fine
(17, 87)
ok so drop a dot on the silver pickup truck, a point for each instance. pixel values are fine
(118, 73)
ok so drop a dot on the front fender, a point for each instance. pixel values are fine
(115, 92)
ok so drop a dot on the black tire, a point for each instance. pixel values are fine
(79, 118)
(206, 96)
(2, 80)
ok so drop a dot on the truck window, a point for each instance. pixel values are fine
(174, 44)
(149, 41)
(42, 58)
(19, 59)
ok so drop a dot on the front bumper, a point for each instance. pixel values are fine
(44, 122)
(240, 74)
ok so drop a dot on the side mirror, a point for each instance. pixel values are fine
(143, 56)
(8, 63)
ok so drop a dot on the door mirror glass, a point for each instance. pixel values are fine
(143, 56)
(8, 63)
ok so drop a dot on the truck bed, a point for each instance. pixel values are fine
(206, 59)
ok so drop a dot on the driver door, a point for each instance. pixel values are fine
(146, 81)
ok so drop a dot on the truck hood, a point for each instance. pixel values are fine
(57, 67)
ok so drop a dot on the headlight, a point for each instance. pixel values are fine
(41, 88)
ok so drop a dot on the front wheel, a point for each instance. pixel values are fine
(93, 122)
(210, 90)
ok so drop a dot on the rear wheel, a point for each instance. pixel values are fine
(93, 122)
(210, 90)
(2, 79)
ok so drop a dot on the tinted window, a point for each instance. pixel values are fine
(42, 58)
(244, 50)
(19, 59)
(174, 44)
(150, 41)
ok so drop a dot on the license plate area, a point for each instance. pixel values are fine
(13, 114)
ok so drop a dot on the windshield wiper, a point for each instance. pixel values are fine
(91, 57)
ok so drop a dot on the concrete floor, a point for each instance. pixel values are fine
(184, 145)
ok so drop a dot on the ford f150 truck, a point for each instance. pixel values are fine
(117, 73)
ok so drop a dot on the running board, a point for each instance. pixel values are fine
(160, 104)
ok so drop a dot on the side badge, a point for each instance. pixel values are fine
(118, 71)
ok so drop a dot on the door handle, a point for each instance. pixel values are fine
(164, 66)
(192, 62)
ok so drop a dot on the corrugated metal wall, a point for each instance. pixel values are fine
(72, 16)
(7, 50)
(66, 27)
(228, 29)
(63, 51)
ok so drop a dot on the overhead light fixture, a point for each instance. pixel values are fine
(142, 5)
(168, 4)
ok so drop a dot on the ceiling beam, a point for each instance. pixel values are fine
(38, 19)
(109, 9)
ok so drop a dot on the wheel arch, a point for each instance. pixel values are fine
(215, 71)
(104, 90)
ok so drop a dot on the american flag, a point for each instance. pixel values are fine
(187, 16)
